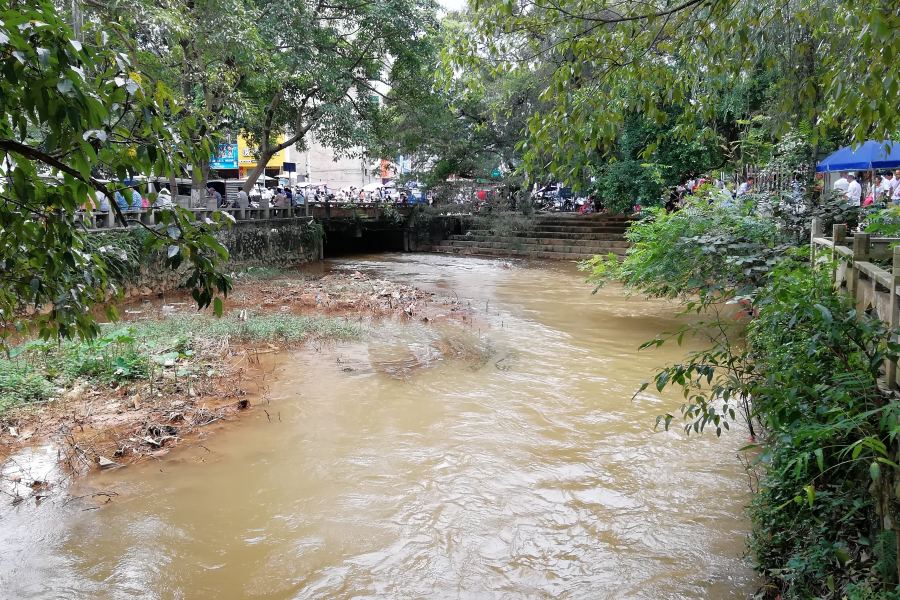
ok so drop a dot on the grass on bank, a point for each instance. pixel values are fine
(37, 371)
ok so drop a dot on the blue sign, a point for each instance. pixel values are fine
(289, 167)
(227, 157)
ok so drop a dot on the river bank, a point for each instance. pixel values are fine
(166, 372)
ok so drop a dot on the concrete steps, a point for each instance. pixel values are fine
(511, 253)
(535, 244)
(557, 237)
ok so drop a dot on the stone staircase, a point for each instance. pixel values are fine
(568, 236)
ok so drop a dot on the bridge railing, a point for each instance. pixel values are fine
(100, 219)
(870, 285)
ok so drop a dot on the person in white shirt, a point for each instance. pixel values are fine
(746, 187)
(854, 190)
(885, 184)
(894, 187)
(841, 185)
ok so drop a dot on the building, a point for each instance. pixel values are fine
(321, 164)
(318, 163)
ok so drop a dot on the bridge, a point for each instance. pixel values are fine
(349, 227)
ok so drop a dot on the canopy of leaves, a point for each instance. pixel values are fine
(330, 66)
(74, 113)
(828, 64)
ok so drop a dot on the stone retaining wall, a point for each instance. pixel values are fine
(249, 243)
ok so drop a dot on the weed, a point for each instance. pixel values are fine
(36, 369)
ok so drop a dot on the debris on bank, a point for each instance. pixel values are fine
(338, 292)
(109, 420)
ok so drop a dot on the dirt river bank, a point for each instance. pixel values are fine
(101, 424)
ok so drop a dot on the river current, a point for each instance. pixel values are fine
(502, 459)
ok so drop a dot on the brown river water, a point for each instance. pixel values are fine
(516, 465)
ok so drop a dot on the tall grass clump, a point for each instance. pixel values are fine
(257, 327)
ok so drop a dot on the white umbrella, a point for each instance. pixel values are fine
(372, 187)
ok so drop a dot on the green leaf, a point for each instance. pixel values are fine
(843, 557)
(217, 307)
(874, 470)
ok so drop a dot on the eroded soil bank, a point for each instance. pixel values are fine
(202, 370)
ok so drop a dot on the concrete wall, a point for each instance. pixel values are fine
(249, 244)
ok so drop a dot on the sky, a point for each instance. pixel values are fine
(450, 5)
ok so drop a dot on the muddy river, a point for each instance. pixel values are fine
(499, 460)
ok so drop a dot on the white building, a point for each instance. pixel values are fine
(320, 164)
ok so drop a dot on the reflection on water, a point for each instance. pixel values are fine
(498, 459)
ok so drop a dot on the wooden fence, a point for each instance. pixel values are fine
(871, 286)
(767, 178)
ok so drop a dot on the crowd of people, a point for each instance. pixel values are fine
(880, 188)
(863, 189)
(284, 197)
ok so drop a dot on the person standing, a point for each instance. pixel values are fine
(137, 203)
(279, 202)
(243, 200)
(841, 185)
(854, 190)
(215, 194)
(877, 191)
(885, 188)
(893, 184)
(102, 200)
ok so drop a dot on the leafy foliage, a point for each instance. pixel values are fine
(321, 78)
(694, 66)
(74, 112)
(795, 364)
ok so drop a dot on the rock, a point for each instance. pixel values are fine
(105, 462)
(13, 432)
(74, 394)
(145, 291)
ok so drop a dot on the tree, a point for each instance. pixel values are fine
(73, 114)
(453, 129)
(828, 64)
(331, 63)
(203, 50)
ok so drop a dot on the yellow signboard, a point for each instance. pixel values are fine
(245, 154)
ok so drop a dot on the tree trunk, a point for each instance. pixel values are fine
(198, 185)
(173, 186)
(258, 170)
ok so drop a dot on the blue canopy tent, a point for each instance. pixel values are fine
(871, 155)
